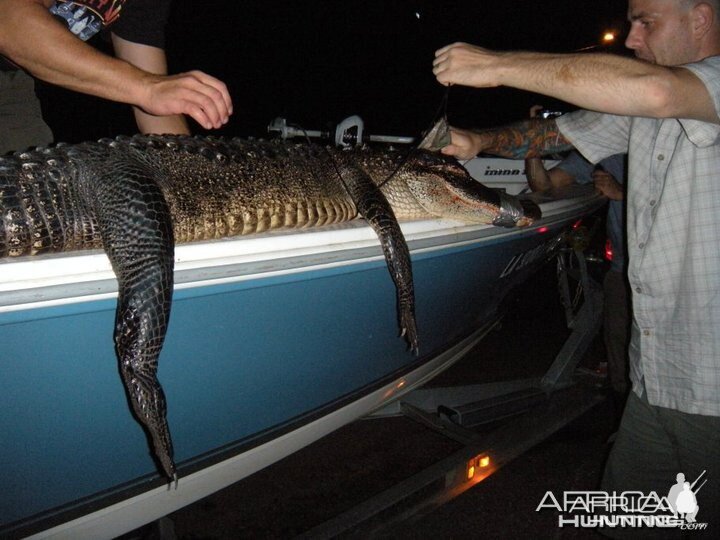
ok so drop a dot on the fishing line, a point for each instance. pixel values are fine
(440, 114)
(329, 154)
(325, 149)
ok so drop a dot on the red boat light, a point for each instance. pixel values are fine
(608, 250)
(543, 230)
(577, 224)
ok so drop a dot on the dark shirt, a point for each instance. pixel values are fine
(143, 21)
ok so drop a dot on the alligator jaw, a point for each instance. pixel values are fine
(446, 190)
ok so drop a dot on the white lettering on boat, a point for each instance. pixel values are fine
(521, 260)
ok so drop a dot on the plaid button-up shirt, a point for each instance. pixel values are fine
(673, 245)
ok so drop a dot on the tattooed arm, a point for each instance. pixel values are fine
(531, 138)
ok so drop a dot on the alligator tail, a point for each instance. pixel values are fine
(136, 229)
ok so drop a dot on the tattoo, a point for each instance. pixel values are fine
(527, 139)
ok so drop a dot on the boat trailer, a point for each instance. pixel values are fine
(535, 407)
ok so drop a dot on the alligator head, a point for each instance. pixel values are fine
(443, 188)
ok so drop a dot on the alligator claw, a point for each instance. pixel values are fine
(409, 331)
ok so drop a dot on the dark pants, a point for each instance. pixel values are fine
(21, 122)
(653, 446)
(616, 329)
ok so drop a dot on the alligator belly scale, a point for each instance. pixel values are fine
(136, 197)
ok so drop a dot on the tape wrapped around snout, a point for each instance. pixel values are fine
(510, 211)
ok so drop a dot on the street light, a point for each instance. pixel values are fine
(607, 39)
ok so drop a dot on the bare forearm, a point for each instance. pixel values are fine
(152, 60)
(537, 177)
(32, 38)
(148, 123)
(600, 82)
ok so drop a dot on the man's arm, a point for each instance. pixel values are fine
(599, 82)
(152, 60)
(531, 138)
(32, 38)
(540, 179)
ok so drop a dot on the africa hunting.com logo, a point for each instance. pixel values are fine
(590, 509)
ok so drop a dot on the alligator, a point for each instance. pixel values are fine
(135, 197)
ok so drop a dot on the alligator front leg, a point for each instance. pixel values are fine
(136, 229)
(375, 209)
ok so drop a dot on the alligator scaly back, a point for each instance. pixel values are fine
(253, 186)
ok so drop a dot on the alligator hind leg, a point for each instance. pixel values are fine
(136, 229)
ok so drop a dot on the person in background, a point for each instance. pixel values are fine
(663, 109)
(45, 39)
(609, 178)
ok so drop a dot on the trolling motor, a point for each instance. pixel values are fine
(348, 133)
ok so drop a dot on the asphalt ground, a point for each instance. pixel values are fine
(366, 457)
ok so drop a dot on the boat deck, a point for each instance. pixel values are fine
(301, 493)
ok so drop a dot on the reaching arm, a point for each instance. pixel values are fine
(152, 60)
(540, 179)
(531, 138)
(599, 82)
(32, 38)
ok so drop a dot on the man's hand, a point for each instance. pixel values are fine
(607, 185)
(33, 39)
(469, 65)
(465, 144)
(196, 94)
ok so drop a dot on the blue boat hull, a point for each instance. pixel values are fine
(257, 351)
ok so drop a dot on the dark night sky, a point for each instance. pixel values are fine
(316, 62)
